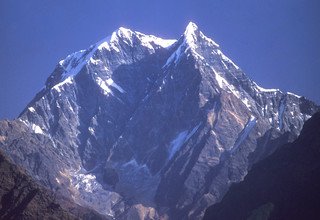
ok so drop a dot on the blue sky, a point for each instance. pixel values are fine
(275, 42)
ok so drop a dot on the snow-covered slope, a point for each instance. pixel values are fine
(136, 125)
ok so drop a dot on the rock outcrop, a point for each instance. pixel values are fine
(137, 122)
(285, 185)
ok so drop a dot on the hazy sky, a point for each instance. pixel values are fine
(277, 43)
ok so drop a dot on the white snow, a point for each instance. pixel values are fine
(110, 82)
(36, 129)
(260, 89)
(177, 143)
(175, 57)
(180, 139)
(223, 84)
(165, 43)
(70, 108)
(189, 33)
(148, 40)
(244, 133)
(290, 93)
(110, 43)
(105, 85)
(95, 62)
(226, 59)
(188, 44)
(246, 102)
(307, 117)
(60, 85)
(31, 109)
(73, 63)
(224, 64)
(91, 130)
(126, 34)
(24, 122)
(87, 182)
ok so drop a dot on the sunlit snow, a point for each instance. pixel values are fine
(244, 133)
(31, 109)
(59, 86)
(290, 93)
(105, 86)
(36, 129)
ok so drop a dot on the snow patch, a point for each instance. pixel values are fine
(73, 63)
(180, 139)
(86, 182)
(24, 122)
(244, 133)
(36, 129)
(105, 86)
(290, 93)
(31, 109)
(189, 43)
(95, 62)
(221, 81)
(91, 130)
(110, 82)
(174, 58)
(60, 85)
(246, 102)
(223, 84)
(150, 41)
(260, 89)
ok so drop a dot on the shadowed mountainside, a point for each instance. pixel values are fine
(285, 185)
(22, 198)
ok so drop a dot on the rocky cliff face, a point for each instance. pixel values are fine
(23, 198)
(283, 186)
(141, 126)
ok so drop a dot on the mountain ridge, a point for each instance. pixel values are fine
(135, 124)
(283, 186)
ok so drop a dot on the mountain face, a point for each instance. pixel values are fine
(283, 186)
(23, 198)
(138, 127)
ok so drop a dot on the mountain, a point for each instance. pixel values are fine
(140, 127)
(23, 198)
(285, 185)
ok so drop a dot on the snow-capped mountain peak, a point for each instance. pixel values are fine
(192, 35)
(191, 29)
(134, 37)
(115, 44)
(138, 119)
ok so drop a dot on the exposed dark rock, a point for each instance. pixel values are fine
(23, 198)
(286, 185)
(138, 121)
